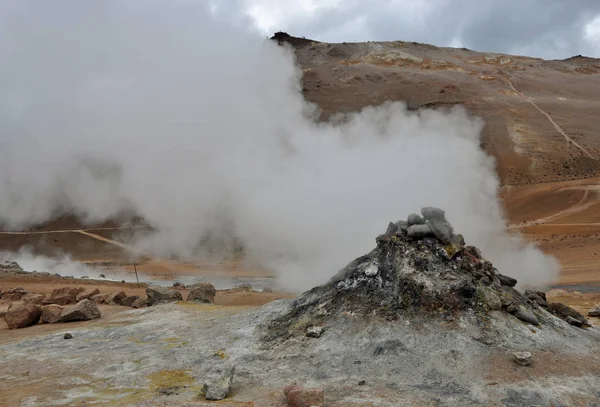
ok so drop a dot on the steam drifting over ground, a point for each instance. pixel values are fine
(199, 126)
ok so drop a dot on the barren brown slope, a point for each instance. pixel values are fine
(542, 120)
(542, 117)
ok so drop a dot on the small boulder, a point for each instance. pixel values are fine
(157, 295)
(67, 336)
(84, 310)
(63, 296)
(139, 303)
(414, 219)
(523, 314)
(130, 299)
(51, 313)
(564, 311)
(298, 396)
(492, 300)
(572, 321)
(34, 298)
(522, 358)
(419, 231)
(506, 280)
(218, 383)
(115, 298)
(87, 294)
(242, 287)
(21, 315)
(594, 312)
(202, 292)
(391, 229)
(100, 298)
(314, 331)
(537, 297)
(14, 294)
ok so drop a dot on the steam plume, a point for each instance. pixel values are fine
(200, 127)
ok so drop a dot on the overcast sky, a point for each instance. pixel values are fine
(543, 28)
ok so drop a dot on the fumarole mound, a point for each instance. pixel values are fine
(422, 269)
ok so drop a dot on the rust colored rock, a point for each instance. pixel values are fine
(130, 299)
(116, 298)
(63, 296)
(158, 295)
(14, 294)
(202, 292)
(34, 298)
(87, 294)
(298, 396)
(100, 298)
(84, 310)
(21, 315)
(140, 303)
(51, 313)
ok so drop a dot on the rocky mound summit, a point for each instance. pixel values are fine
(421, 269)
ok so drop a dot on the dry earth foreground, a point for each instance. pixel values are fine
(433, 324)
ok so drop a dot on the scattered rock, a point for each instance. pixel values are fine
(68, 336)
(202, 292)
(537, 297)
(84, 310)
(414, 219)
(362, 383)
(87, 294)
(139, 303)
(102, 276)
(116, 298)
(51, 313)
(218, 383)
(127, 301)
(21, 315)
(314, 331)
(506, 280)
(419, 231)
(177, 284)
(34, 298)
(522, 358)
(563, 311)
(157, 295)
(524, 315)
(243, 287)
(573, 321)
(436, 220)
(594, 312)
(14, 294)
(100, 298)
(63, 296)
(298, 396)
(391, 229)
(492, 300)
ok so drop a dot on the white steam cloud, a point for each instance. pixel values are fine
(198, 126)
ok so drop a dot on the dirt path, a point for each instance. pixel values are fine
(114, 242)
(42, 232)
(556, 126)
(578, 207)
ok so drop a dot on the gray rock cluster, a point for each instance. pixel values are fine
(432, 223)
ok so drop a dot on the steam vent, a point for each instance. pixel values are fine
(422, 270)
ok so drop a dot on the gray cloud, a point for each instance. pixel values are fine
(552, 29)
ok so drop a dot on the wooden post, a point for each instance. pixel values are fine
(136, 275)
